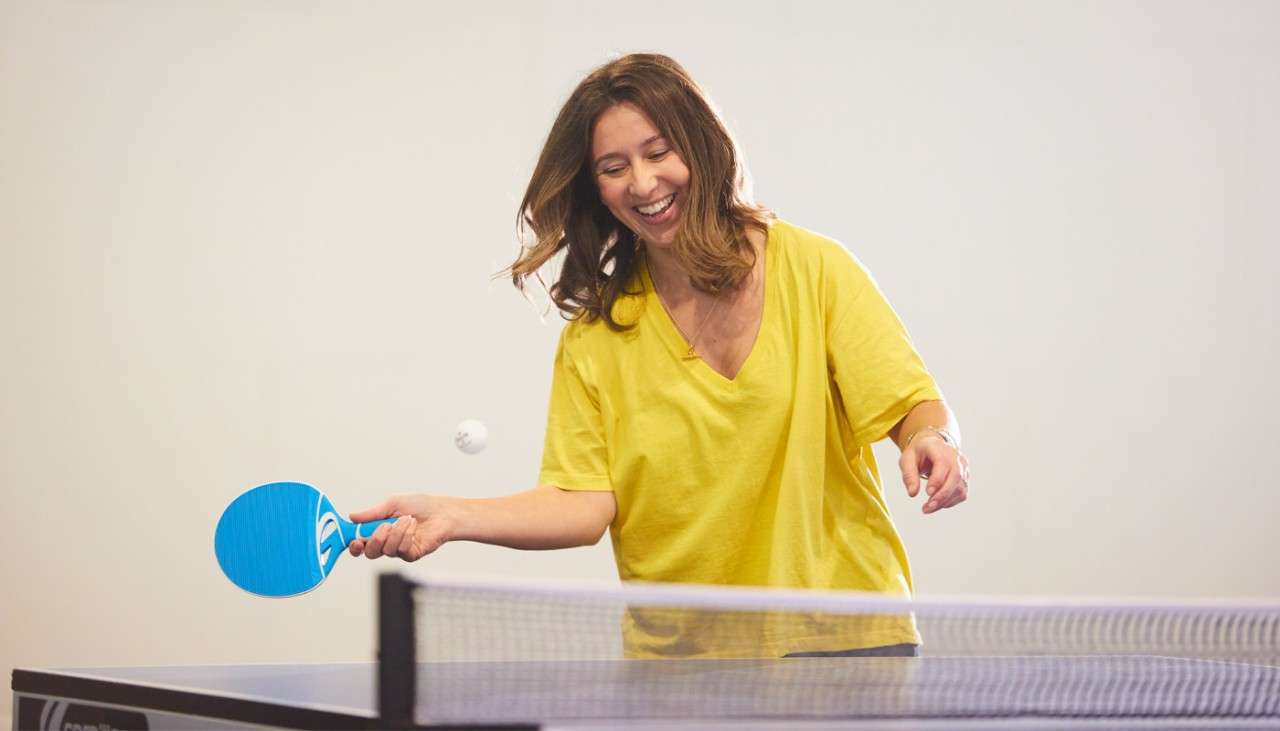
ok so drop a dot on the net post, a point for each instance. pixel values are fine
(397, 664)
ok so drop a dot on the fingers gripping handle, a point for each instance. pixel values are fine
(348, 532)
(365, 530)
(332, 544)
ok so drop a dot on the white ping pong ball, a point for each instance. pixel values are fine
(471, 436)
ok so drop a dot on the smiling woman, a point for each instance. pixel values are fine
(717, 390)
(636, 131)
(640, 177)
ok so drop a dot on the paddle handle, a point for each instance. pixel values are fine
(364, 530)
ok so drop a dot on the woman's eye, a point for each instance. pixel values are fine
(659, 154)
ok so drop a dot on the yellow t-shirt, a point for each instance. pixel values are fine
(767, 479)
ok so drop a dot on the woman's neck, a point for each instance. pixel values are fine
(672, 280)
(669, 277)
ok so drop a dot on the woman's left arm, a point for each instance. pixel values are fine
(929, 438)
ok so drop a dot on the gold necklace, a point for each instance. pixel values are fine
(715, 302)
(693, 342)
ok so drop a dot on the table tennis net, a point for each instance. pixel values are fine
(522, 652)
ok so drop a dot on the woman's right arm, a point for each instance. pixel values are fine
(542, 518)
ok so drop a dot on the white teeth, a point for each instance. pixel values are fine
(658, 207)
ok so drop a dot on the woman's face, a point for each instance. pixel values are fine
(641, 179)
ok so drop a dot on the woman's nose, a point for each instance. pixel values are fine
(643, 181)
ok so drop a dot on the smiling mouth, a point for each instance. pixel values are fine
(657, 209)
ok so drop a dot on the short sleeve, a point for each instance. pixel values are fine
(574, 454)
(872, 360)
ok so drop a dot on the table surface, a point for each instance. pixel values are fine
(1133, 691)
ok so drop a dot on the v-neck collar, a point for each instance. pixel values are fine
(676, 344)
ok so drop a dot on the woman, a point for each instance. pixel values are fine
(719, 385)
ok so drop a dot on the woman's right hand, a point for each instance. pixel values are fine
(423, 526)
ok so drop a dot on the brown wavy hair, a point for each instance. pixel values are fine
(562, 207)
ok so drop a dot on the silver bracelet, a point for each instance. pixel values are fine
(943, 433)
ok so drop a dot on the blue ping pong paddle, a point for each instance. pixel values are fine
(283, 538)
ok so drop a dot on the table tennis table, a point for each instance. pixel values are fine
(927, 693)
(455, 656)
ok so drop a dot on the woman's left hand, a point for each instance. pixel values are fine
(930, 457)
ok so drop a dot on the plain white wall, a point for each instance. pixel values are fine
(252, 241)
